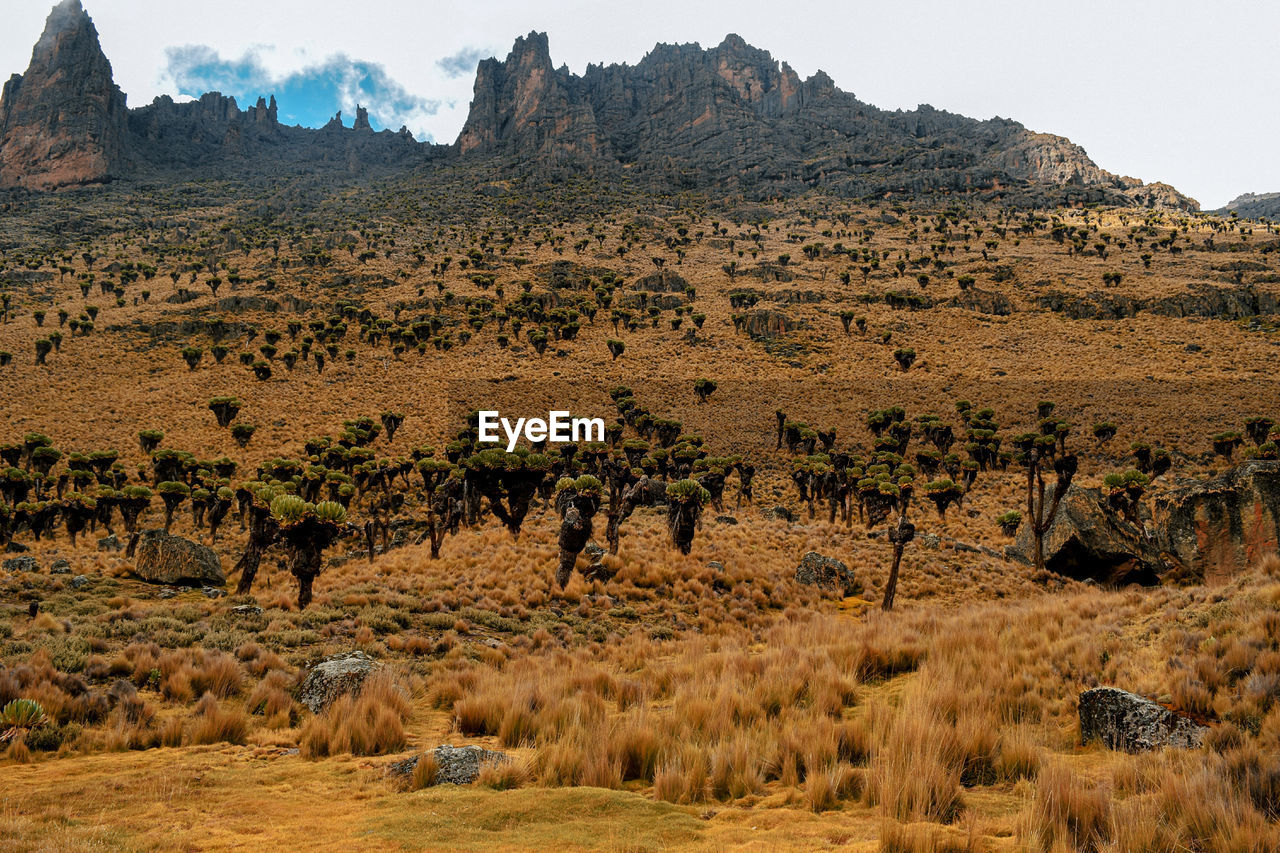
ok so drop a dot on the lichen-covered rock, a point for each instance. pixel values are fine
(827, 573)
(21, 564)
(781, 513)
(457, 765)
(1126, 721)
(1221, 527)
(1087, 541)
(169, 559)
(336, 675)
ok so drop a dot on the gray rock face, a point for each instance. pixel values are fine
(458, 765)
(173, 560)
(60, 566)
(62, 122)
(110, 543)
(21, 564)
(733, 116)
(826, 572)
(1126, 721)
(1221, 527)
(1088, 541)
(1199, 300)
(80, 582)
(335, 676)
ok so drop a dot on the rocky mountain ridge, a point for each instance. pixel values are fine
(1254, 205)
(735, 117)
(730, 118)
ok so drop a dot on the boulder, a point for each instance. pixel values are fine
(779, 512)
(456, 765)
(173, 560)
(1218, 528)
(60, 566)
(1089, 541)
(1126, 721)
(110, 543)
(80, 582)
(827, 573)
(335, 676)
(21, 564)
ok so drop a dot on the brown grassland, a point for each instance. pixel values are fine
(691, 701)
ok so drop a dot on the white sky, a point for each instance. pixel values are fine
(1179, 91)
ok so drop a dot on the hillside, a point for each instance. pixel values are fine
(313, 303)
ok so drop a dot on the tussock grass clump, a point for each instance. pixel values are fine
(213, 723)
(370, 723)
(425, 771)
(1068, 811)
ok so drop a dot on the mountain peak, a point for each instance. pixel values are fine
(63, 122)
(67, 16)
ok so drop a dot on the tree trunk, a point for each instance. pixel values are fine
(891, 588)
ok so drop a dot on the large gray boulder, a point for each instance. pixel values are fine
(1126, 721)
(169, 559)
(1088, 541)
(1219, 528)
(457, 765)
(21, 564)
(826, 573)
(335, 676)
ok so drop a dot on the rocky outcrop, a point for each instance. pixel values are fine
(734, 117)
(767, 323)
(1086, 541)
(213, 133)
(335, 676)
(173, 560)
(1221, 527)
(455, 765)
(826, 573)
(982, 301)
(1198, 300)
(63, 122)
(1126, 721)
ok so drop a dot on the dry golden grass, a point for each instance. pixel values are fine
(676, 705)
(369, 723)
